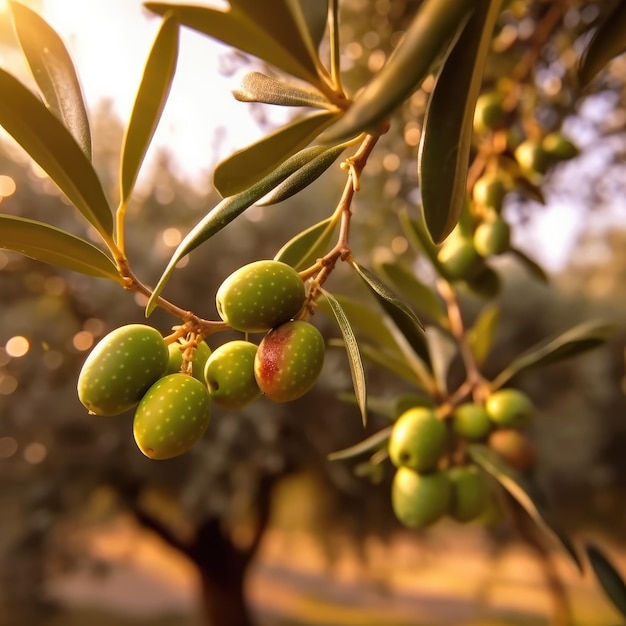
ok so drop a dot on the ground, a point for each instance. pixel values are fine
(448, 576)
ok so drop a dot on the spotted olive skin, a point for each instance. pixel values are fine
(418, 439)
(260, 296)
(172, 416)
(121, 368)
(200, 355)
(419, 500)
(289, 360)
(229, 375)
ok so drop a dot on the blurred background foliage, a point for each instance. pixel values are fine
(62, 471)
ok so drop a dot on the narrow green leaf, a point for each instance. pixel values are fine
(365, 320)
(410, 400)
(532, 266)
(420, 297)
(301, 179)
(515, 484)
(226, 211)
(309, 245)
(373, 442)
(48, 244)
(257, 87)
(442, 351)
(266, 30)
(480, 335)
(443, 156)
(315, 14)
(286, 22)
(149, 103)
(608, 577)
(354, 356)
(402, 316)
(607, 42)
(435, 25)
(387, 298)
(51, 145)
(383, 407)
(394, 363)
(54, 72)
(576, 340)
(416, 233)
(247, 166)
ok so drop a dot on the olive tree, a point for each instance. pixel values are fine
(465, 98)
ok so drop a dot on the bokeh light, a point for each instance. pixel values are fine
(171, 237)
(17, 346)
(7, 186)
(8, 384)
(35, 453)
(83, 340)
(8, 447)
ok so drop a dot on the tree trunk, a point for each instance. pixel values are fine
(223, 569)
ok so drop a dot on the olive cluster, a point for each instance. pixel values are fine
(512, 161)
(172, 386)
(432, 480)
(130, 367)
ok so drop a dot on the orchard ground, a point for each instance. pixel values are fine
(452, 574)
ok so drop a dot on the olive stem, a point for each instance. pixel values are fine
(474, 378)
(192, 322)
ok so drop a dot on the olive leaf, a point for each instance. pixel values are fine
(315, 13)
(226, 211)
(480, 335)
(383, 407)
(402, 316)
(576, 340)
(54, 72)
(442, 350)
(267, 30)
(247, 166)
(354, 356)
(48, 244)
(421, 297)
(416, 233)
(608, 577)
(532, 266)
(306, 247)
(373, 442)
(515, 484)
(303, 177)
(393, 363)
(443, 155)
(149, 103)
(258, 87)
(365, 320)
(607, 42)
(54, 149)
(435, 25)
